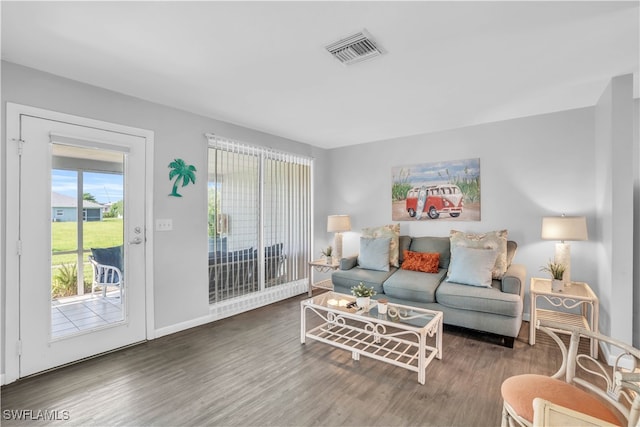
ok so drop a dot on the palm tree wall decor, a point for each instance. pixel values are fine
(180, 171)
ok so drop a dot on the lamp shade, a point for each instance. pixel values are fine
(338, 223)
(564, 228)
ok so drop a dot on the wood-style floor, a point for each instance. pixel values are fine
(251, 370)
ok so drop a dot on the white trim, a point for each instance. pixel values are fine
(149, 233)
(11, 303)
(182, 326)
(239, 305)
(74, 142)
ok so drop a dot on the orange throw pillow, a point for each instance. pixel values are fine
(421, 261)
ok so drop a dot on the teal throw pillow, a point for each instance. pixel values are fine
(374, 253)
(470, 266)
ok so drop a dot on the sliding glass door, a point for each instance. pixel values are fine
(259, 219)
(234, 220)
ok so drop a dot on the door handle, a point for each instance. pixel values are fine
(136, 241)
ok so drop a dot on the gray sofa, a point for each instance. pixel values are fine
(497, 310)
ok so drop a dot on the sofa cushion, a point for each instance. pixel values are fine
(392, 231)
(403, 245)
(426, 262)
(496, 240)
(442, 245)
(470, 266)
(241, 255)
(112, 256)
(370, 278)
(414, 285)
(347, 263)
(374, 253)
(487, 300)
(273, 250)
(511, 251)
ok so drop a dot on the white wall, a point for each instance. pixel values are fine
(180, 272)
(530, 168)
(614, 196)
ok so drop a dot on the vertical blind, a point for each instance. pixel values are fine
(259, 218)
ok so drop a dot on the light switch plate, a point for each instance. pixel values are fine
(164, 224)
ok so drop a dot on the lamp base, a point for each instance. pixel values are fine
(337, 246)
(563, 256)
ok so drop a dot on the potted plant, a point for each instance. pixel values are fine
(363, 294)
(327, 254)
(556, 270)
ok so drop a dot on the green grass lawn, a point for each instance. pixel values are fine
(97, 234)
(64, 237)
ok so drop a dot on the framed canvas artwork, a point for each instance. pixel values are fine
(447, 190)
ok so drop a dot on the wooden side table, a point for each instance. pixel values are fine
(579, 294)
(321, 265)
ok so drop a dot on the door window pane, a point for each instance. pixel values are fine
(87, 230)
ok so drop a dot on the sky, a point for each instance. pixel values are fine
(438, 172)
(105, 187)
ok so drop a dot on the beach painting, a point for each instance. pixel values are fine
(437, 191)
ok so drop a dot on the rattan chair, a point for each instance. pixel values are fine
(585, 389)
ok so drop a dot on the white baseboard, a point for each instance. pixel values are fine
(611, 359)
(259, 299)
(172, 329)
(239, 305)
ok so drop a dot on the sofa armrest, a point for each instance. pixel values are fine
(513, 281)
(348, 263)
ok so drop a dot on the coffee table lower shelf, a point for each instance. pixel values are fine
(374, 339)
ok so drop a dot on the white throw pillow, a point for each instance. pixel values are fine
(470, 266)
(374, 253)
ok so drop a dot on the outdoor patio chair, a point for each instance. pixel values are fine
(107, 269)
(585, 391)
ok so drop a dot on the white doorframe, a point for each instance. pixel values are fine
(11, 303)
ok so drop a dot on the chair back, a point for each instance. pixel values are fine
(616, 381)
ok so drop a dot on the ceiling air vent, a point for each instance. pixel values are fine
(355, 48)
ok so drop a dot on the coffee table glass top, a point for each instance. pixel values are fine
(396, 313)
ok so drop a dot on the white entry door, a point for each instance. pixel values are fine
(70, 308)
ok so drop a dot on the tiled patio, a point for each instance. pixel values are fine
(86, 312)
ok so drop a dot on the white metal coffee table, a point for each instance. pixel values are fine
(398, 337)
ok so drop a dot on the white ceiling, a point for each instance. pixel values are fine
(263, 65)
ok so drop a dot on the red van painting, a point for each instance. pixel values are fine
(434, 200)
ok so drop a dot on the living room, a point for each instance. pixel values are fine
(580, 160)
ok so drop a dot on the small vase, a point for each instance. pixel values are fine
(557, 285)
(363, 302)
(329, 260)
(382, 306)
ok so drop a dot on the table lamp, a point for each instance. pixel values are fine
(338, 224)
(564, 228)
